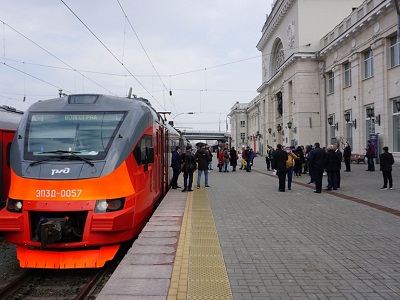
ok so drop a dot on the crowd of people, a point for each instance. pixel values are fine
(285, 162)
(318, 162)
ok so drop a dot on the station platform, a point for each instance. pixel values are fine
(243, 239)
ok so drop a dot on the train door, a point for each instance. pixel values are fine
(167, 151)
(6, 138)
(162, 154)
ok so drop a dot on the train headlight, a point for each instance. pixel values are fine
(109, 205)
(14, 205)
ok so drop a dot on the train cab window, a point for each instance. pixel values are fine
(141, 152)
(88, 134)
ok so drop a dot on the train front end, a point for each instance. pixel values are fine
(72, 199)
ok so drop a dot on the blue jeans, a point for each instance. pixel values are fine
(371, 166)
(225, 166)
(289, 172)
(248, 165)
(205, 177)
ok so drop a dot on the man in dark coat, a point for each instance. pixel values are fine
(339, 158)
(202, 159)
(279, 164)
(176, 167)
(331, 167)
(233, 157)
(386, 161)
(189, 168)
(317, 162)
(347, 156)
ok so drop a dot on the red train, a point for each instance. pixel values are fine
(86, 173)
(9, 120)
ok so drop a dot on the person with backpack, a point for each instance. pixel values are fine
(226, 157)
(202, 159)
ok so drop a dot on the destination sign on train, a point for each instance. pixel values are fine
(80, 117)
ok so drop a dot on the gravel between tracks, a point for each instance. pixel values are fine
(9, 264)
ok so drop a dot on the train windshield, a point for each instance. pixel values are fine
(88, 134)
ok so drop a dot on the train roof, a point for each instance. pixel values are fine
(89, 102)
(9, 118)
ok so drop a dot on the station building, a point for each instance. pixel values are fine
(330, 74)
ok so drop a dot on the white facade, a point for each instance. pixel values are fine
(366, 42)
(305, 46)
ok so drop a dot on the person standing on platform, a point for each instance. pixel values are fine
(220, 158)
(331, 168)
(370, 154)
(202, 159)
(347, 156)
(243, 161)
(233, 158)
(316, 158)
(252, 155)
(290, 166)
(386, 161)
(226, 159)
(278, 163)
(267, 158)
(247, 156)
(211, 155)
(298, 162)
(189, 166)
(339, 159)
(176, 165)
(307, 163)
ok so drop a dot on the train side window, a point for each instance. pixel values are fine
(141, 152)
(137, 155)
(150, 155)
(8, 152)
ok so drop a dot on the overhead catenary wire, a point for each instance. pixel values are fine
(147, 55)
(51, 54)
(112, 54)
(141, 44)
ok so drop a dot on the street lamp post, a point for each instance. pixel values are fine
(184, 113)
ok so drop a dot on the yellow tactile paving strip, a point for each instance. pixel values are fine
(199, 270)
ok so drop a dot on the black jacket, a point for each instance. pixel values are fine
(386, 161)
(331, 161)
(279, 160)
(202, 158)
(176, 161)
(347, 152)
(316, 158)
(189, 160)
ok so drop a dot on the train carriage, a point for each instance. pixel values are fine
(87, 172)
(9, 120)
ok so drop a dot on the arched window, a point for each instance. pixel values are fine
(278, 56)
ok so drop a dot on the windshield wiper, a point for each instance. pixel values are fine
(44, 160)
(72, 153)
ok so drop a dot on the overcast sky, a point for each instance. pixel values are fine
(204, 52)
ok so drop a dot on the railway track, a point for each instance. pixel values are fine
(71, 284)
(56, 284)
